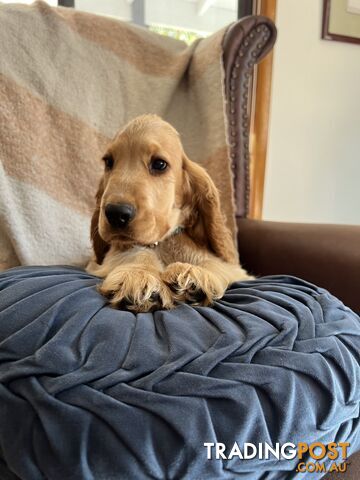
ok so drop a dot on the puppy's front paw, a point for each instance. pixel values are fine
(137, 290)
(193, 284)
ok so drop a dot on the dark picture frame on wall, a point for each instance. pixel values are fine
(341, 21)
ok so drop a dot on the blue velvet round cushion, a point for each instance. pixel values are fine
(88, 392)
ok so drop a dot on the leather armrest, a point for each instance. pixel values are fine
(327, 255)
(245, 44)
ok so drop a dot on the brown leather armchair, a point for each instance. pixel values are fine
(327, 255)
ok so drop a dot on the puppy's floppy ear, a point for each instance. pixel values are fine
(207, 222)
(99, 245)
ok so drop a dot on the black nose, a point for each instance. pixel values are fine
(119, 214)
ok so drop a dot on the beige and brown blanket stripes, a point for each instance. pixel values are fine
(68, 81)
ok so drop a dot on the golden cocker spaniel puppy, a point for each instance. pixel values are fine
(158, 232)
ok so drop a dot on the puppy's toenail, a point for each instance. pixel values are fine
(155, 297)
(109, 295)
(198, 296)
(123, 304)
(173, 286)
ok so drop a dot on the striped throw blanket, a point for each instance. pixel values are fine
(68, 81)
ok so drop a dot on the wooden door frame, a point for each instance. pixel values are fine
(260, 115)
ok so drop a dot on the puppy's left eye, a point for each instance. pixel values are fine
(109, 162)
(158, 164)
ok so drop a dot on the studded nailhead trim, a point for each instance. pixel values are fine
(250, 50)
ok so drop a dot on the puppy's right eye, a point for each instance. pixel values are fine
(109, 162)
(158, 165)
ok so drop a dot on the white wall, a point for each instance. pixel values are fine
(52, 3)
(169, 13)
(116, 8)
(313, 164)
(180, 13)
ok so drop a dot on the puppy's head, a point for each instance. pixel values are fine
(150, 187)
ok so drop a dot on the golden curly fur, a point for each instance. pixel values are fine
(177, 246)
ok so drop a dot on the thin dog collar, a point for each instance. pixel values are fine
(177, 231)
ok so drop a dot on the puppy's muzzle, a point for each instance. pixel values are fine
(119, 215)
